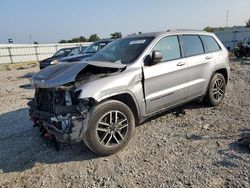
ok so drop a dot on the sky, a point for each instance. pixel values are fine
(49, 21)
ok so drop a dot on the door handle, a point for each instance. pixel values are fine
(209, 57)
(181, 64)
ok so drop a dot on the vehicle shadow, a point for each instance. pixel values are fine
(242, 144)
(27, 76)
(178, 111)
(21, 146)
(26, 86)
(235, 151)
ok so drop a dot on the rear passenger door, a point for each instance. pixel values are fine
(165, 83)
(198, 65)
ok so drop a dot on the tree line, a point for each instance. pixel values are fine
(213, 29)
(117, 35)
(92, 38)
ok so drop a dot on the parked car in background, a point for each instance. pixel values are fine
(64, 52)
(100, 101)
(88, 52)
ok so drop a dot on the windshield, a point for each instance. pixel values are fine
(125, 50)
(93, 48)
(74, 51)
(62, 53)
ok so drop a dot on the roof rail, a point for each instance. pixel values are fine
(169, 30)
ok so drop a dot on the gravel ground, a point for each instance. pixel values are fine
(198, 149)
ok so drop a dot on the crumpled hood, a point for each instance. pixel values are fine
(64, 73)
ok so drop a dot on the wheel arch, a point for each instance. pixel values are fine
(222, 71)
(129, 100)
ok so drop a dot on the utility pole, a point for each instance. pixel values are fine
(227, 18)
(30, 37)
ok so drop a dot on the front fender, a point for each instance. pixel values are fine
(112, 85)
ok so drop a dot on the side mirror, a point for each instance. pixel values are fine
(156, 57)
(153, 59)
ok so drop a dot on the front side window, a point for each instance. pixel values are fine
(169, 47)
(210, 44)
(192, 45)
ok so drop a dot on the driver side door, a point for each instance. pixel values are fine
(165, 84)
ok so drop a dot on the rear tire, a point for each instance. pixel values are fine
(216, 90)
(110, 127)
(238, 54)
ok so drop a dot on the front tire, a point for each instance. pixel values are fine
(110, 127)
(216, 90)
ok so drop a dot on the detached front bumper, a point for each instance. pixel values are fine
(67, 129)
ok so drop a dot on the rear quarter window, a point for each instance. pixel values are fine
(192, 45)
(210, 44)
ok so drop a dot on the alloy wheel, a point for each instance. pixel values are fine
(218, 89)
(112, 128)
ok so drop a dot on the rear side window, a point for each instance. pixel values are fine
(169, 47)
(210, 44)
(192, 45)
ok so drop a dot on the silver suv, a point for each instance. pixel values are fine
(100, 101)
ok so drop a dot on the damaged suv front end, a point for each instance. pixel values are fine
(94, 101)
(56, 108)
(62, 116)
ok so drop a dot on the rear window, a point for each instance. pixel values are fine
(210, 44)
(192, 45)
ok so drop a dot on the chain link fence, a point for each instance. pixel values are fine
(18, 53)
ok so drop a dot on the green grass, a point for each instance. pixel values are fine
(17, 66)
